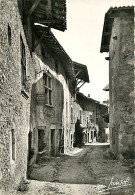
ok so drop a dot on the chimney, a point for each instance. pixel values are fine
(88, 95)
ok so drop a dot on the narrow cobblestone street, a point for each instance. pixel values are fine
(90, 166)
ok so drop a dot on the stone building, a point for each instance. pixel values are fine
(50, 98)
(75, 110)
(118, 40)
(91, 115)
(38, 83)
(18, 77)
(15, 93)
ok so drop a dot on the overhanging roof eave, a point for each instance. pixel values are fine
(84, 69)
(89, 99)
(55, 46)
(54, 18)
(109, 16)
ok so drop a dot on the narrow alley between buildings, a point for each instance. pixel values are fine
(59, 134)
(92, 164)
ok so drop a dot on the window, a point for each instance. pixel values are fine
(9, 35)
(48, 89)
(50, 98)
(23, 62)
(72, 115)
(13, 144)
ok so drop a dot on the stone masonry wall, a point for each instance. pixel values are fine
(55, 117)
(113, 64)
(14, 108)
(121, 84)
(50, 59)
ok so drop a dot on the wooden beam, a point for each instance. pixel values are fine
(81, 85)
(78, 73)
(39, 40)
(78, 82)
(36, 3)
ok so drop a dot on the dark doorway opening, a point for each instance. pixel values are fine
(60, 140)
(29, 145)
(41, 140)
(52, 142)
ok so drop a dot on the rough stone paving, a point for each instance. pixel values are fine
(86, 172)
(38, 108)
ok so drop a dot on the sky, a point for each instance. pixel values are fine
(82, 41)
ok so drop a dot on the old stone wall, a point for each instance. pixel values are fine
(50, 59)
(89, 105)
(14, 108)
(121, 87)
(55, 116)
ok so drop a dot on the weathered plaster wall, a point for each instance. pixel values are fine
(121, 70)
(56, 116)
(14, 108)
(50, 59)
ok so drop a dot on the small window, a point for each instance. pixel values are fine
(23, 62)
(50, 97)
(46, 96)
(9, 35)
(13, 144)
(45, 80)
(48, 89)
(49, 82)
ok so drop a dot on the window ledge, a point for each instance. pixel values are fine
(24, 93)
(48, 105)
